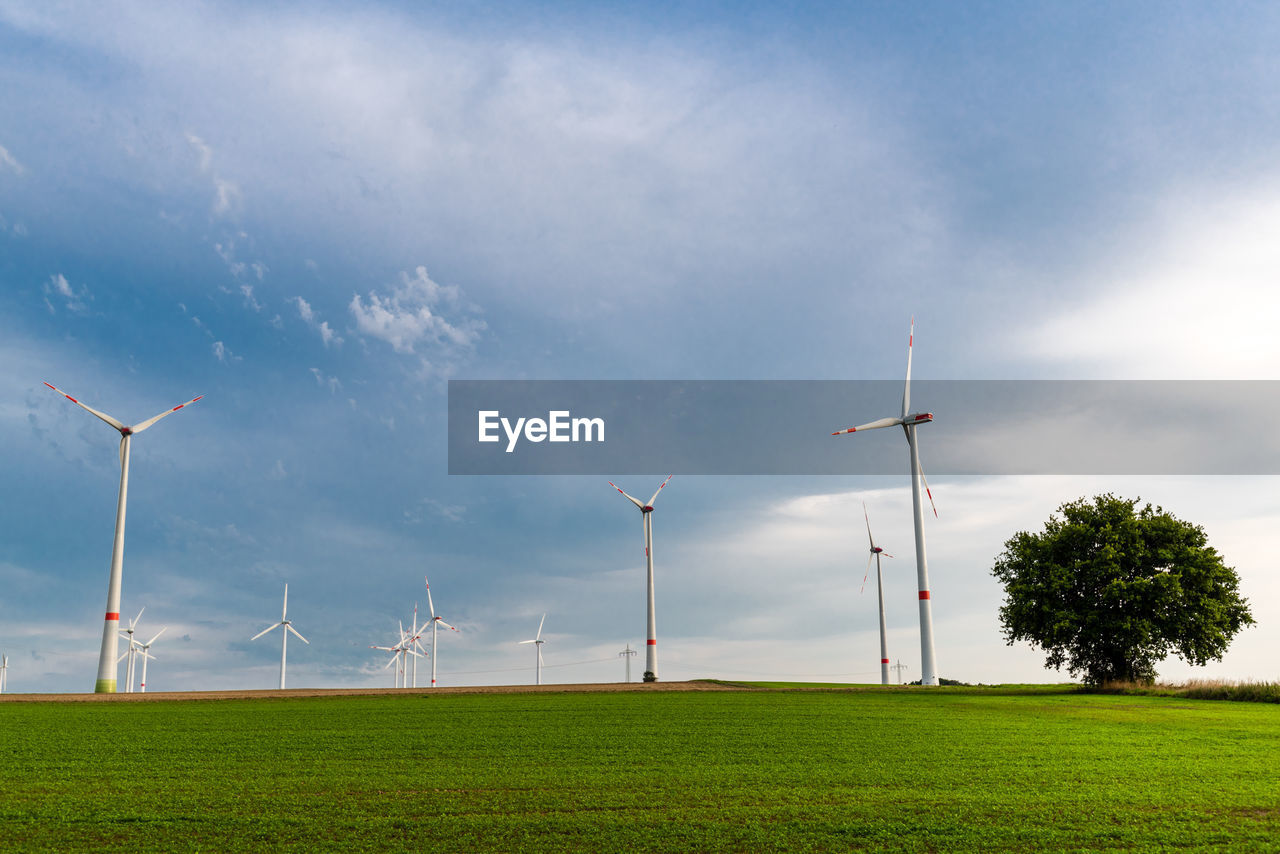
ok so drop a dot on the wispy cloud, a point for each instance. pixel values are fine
(59, 288)
(331, 383)
(308, 315)
(8, 161)
(410, 315)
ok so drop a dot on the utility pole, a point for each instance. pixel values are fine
(899, 667)
(626, 654)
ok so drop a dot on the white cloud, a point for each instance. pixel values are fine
(308, 315)
(223, 354)
(1192, 299)
(9, 161)
(58, 286)
(205, 152)
(249, 299)
(331, 383)
(410, 316)
(226, 194)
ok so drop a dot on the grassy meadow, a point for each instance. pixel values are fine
(949, 769)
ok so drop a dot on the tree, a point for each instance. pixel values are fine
(1110, 591)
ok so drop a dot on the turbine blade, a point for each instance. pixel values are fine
(392, 661)
(104, 416)
(866, 574)
(928, 492)
(868, 518)
(430, 604)
(656, 491)
(284, 609)
(540, 659)
(874, 425)
(134, 621)
(543, 620)
(123, 656)
(628, 497)
(138, 428)
(264, 631)
(446, 625)
(528, 641)
(295, 634)
(906, 390)
(153, 640)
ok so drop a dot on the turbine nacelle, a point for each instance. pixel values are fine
(917, 418)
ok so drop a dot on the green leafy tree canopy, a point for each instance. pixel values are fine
(1110, 591)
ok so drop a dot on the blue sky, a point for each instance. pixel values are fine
(315, 216)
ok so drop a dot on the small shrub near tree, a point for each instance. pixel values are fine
(1109, 590)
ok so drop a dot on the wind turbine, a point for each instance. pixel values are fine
(106, 683)
(537, 642)
(876, 551)
(651, 645)
(128, 634)
(144, 649)
(909, 423)
(626, 654)
(4, 671)
(284, 635)
(439, 621)
(401, 649)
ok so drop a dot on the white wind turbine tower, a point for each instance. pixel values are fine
(4, 671)
(413, 639)
(876, 552)
(144, 650)
(537, 642)
(106, 683)
(651, 643)
(909, 423)
(130, 653)
(287, 625)
(439, 621)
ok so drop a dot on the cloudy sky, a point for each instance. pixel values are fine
(316, 216)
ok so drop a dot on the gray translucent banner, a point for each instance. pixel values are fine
(737, 427)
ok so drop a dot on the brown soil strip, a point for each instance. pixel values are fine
(696, 685)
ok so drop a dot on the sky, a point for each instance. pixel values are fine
(317, 215)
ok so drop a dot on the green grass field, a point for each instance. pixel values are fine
(768, 770)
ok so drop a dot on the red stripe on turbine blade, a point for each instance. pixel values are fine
(652, 642)
(924, 594)
(113, 615)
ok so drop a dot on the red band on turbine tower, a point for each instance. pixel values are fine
(113, 615)
(884, 661)
(652, 642)
(924, 594)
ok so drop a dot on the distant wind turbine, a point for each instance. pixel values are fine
(402, 650)
(651, 643)
(537, 642)
(435, 622)
(144, 650)
(909, 423)
(4, 671)
(876, 552)
(287, 626)
(130, 653)
(106, 683)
